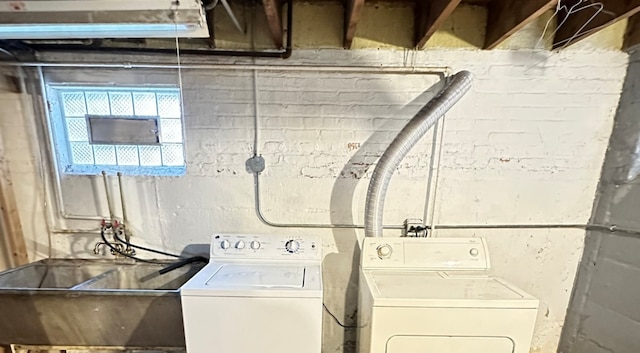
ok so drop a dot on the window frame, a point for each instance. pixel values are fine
(61, 143)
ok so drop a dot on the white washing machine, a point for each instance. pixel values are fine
(258, 294)
(434, 295)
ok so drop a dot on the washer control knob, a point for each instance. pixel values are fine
(225, 244)
(240, 244)
(384, 251)
(474, 252)
(292, 246)
(255, 245)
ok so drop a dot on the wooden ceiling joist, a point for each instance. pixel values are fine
(430, 15)
(632, 37)
(272, 9)
(582, 24)
(352, 14)
(508, 16)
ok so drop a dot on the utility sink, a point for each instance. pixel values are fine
(59, 302)
(139, 277)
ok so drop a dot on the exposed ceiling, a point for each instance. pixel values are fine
(577, 19)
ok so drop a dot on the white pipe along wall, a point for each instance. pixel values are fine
(525, 146)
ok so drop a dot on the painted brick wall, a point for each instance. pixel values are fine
(524, 146)
(604, 315)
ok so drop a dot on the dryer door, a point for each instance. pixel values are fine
(449, 344)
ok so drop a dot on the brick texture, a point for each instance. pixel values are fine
(526, 145)
(603, 316)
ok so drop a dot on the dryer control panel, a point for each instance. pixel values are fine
(425, 253)
(265, 247)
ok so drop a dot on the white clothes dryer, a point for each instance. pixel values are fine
(434, 295)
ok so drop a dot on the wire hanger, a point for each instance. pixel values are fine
(227, 8)
(580, 5)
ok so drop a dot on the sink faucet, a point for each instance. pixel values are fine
(96, 249)
(118, 246)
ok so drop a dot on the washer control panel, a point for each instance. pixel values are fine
(425, 253)
(264, 246)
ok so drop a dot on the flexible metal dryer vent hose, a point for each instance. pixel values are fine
(454, 89)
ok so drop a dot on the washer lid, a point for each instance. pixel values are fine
(438, 289)
(261, 276)
(256, 279)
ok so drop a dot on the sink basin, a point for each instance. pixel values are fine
(59, 302)
(52, 274)
(139, 277)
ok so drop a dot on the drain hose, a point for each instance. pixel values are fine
(454, 89)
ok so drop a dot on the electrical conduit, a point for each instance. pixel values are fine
(455, 88)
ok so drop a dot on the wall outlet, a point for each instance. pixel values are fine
(414, 227)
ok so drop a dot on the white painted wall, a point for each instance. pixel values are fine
(525, 146)
(604, 315)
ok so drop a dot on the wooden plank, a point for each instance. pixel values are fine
(211, 25)
(430, 15)
(272, 9)
(577, 26)
(9, 213)
(352, 15)
(632, 37)
(508, 16)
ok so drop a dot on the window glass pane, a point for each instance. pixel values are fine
(169, 105)
(121, 103)
(72, 137)
(145, 104)
(97, 103)
(150, 155)
(172, 154)
(127, 155)
(81, 153)
(77, 129)
(105, 154)
(73, 103)
(171, 130)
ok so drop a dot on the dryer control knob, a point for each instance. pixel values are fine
(255, 245)
(292, 246)
(384, 251)
(225, 244)
(240, 244)
(474, 252)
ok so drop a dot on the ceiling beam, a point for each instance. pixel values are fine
(632, 37)
(580, 24)
(352, 14)
(430, 15)
(272, 9)
(508, 16)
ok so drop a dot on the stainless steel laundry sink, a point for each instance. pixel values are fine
(139, 277)
(58, 302)
(53, 274)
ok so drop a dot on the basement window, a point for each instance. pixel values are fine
(133, 130)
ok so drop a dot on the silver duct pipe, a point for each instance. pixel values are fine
(454, 89)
